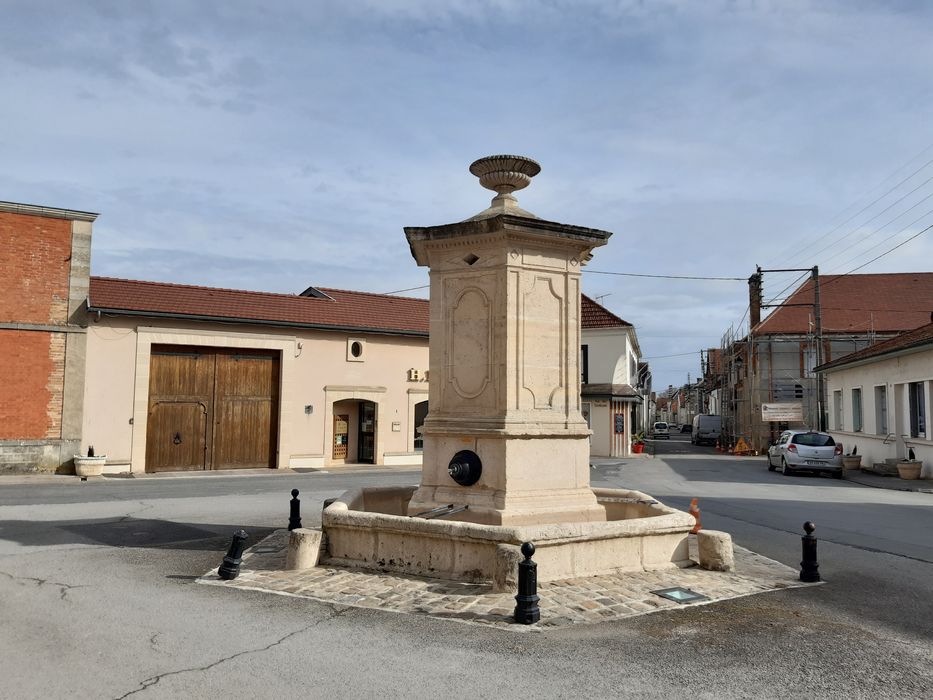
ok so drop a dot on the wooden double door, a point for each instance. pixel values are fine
(212, 408)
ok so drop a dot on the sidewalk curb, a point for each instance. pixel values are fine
(871, 482)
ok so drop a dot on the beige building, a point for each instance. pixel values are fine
(192, 378)
(609, 369)
(880, 399)
(182, 377)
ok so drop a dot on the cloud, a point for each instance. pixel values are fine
(276, 146)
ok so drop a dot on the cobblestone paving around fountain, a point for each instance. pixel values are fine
(563, 603)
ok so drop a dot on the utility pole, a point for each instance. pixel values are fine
(818, 321)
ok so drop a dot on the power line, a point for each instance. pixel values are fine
(410, 289)
(869, 235)
(619, 274)
(667, 277)
(796, 280)
(897, 201)
(870, 204)
(661, 357)
(882, 242)
(916, 235)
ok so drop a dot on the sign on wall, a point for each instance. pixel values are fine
(782, 412)
(620, 423)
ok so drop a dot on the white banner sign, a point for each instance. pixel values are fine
(782, 412)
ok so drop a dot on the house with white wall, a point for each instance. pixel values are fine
(610, 387)
(879, 399)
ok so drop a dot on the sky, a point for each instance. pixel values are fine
(275, 145)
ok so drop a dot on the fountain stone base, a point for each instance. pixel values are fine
(368, 529)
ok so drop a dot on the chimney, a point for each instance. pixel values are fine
(754, 299)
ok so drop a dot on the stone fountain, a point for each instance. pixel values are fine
(506, 450)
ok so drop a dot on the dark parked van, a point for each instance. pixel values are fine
(706, 429)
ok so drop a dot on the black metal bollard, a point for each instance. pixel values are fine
(526, 602)
(294, 514)
(230, 568)
(809, 568)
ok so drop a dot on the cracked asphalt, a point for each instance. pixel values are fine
(97, 600)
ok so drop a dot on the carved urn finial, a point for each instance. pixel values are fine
(504, 174)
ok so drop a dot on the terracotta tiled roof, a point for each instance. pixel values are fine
(916, 338)
(595, 315)
(343, 310)
(883, 303)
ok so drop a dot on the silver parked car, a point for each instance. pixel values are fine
(661, 430)
(806, 450)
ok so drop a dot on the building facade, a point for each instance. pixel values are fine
(45, 258)
(774, 365)
(611, 396)
(181, 377)
(880, 399)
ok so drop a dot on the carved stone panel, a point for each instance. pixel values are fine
(542, 332)
(469, 342)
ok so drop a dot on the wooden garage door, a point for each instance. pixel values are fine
(211, 408)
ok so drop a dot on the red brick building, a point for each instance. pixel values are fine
(45, 259)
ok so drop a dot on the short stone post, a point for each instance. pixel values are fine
(304, 548)
(809, 568)
(294, 514)
(526, 602)
(715, 550)
(230, 568)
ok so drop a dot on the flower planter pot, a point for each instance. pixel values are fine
(851, 461)
(909, 469)
(638, 448)
(89, 466)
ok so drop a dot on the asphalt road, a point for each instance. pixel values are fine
(97, 599)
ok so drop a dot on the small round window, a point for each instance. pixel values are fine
(356, 348)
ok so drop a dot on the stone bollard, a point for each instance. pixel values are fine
(505, 576)
(304, 548)
(715, 550)
(526, 602)
(294, 513)
(809, 568)
(230, 568)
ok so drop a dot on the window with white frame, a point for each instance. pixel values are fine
(857, 410)
(356, 349)
(881, 410)
(837, 410)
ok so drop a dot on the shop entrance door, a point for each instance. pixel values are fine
(366, 453)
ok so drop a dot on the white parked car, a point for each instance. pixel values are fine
(806, 450)
(661, 430)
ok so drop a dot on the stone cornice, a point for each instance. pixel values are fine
(519, 228)
(505, 223)
(48, 212)
(45, 328)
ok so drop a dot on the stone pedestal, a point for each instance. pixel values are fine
(504, 360)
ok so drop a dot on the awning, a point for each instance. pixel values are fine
(620, 392)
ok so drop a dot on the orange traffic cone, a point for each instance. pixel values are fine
(694, 510)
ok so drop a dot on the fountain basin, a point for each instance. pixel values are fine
(368, 528)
